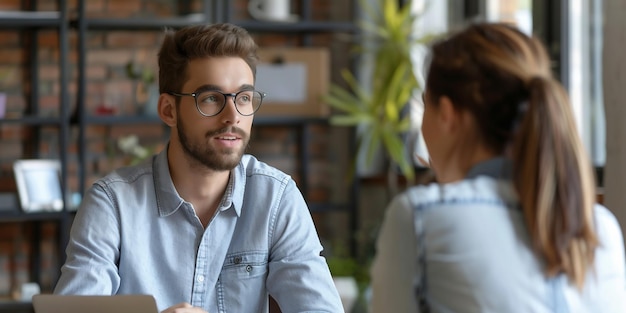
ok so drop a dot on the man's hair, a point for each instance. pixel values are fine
(201, 41)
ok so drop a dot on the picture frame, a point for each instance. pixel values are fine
(39, 185)
(295, 80)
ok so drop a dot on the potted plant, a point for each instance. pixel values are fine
(379, 109)
(6, 73)
(350, 278)
(147, 91)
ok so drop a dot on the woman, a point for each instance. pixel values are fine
(511, 224)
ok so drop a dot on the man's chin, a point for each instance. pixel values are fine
(229, 161)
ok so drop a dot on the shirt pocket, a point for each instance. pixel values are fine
(245, 265)
(241, 285)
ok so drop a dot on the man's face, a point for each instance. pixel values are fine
(216, 142)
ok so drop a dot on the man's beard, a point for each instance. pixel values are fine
(204, 154)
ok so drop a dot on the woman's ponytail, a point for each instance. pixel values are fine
(554, 180)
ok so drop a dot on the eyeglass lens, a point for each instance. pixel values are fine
(212, 102)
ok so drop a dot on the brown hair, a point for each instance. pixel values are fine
(201, 41)
(503, 77)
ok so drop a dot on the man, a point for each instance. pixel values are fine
(201, 226)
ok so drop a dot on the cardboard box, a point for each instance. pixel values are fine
(295, 79)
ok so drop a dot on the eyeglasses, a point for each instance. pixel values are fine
(212, 102)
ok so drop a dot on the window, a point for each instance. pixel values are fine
(585, 74)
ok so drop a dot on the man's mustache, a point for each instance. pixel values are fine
(230, 129)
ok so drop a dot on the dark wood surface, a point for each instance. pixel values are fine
(9, 306)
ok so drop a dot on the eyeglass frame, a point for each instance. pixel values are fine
(233, 95)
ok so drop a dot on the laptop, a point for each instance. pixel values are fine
(49, 303)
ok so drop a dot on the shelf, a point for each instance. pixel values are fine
(297, 27)
(37, 31)
(122, 119)
(176, 22)
(287, 120)
(149, 119)
(328, 207)
(155, 23)
(33, 120)
(13, 306)
(29, 19)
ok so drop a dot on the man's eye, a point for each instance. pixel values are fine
(244, 97)
(209, 98)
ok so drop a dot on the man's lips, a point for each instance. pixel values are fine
(227, 140)
(227, 137)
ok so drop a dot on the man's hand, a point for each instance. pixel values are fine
(184, 307)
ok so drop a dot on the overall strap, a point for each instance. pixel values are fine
(557, 297)
(420, 280)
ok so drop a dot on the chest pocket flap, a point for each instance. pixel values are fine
(245, 264)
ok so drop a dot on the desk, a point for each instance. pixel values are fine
(11, 306)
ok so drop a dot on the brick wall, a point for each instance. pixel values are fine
(108, 54)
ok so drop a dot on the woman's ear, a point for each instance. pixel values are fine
(167, 109)
(454, 120)
(449, 116)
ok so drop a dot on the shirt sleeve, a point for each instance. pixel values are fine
(93, 248)
(299, 278)
(395, 266)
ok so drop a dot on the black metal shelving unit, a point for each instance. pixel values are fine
(304, 27)
(33, 121)
(29, 22)
(30, 19)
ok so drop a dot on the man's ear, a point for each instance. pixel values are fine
(167, 109)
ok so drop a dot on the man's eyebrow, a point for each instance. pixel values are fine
(207, 88)
(210, 87)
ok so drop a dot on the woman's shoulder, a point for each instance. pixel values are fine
(607, 227)
(604, 216)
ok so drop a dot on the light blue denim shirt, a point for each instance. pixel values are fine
(478, 256)
(134, 234)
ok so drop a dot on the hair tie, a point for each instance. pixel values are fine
(522, 107)
(536, 79)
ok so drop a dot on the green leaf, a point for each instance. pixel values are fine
(350, 120)
(360, 92)
(147, 75)
(372, 144)
(395, 148)
(377, 109)
(343, 100)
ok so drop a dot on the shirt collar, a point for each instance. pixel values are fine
(498, 167)
(237, 186)
(168, 199)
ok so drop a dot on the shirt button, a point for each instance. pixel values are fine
(237, 260)
(200, 278)
(249, 268)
